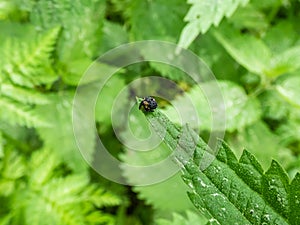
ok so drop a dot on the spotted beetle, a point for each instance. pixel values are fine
(148, 103)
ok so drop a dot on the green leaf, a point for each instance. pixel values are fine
(17, 114)
(23, 95)
(164, 19)
(255, 55)
(294, 198)
(101, 197)
(250, 52)
(223, 192)
(203, 14)
(27, 66)
(248, 17)
(12, 167)
(275, 188)
(158, 194)
(283, 32)
(42, 170)
(251, 170)
(82, 22)
(289, 89)
(113, 35)
(241, 110)
(30, 63)
(289, 130)
(212, 53)
(11, 29)
(274, 107)
(267, 3)
(47, 197)
(287, 61)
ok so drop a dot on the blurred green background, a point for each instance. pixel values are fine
(252, 47)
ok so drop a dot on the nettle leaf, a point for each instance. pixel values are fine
(273, 105)
(203, 14)
(229, 191)
(164, 19)
(255, 55)
(250, 52)
(289, 130)
(240, 109)
(212, 53)
(288, 88)
(284, 32)
(249, 17)
(287, 61)
(113, 35)
(294, 200)
(251, 137)
(158, 194)
(275, 188)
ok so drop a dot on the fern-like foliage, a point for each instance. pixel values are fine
(205, 13)
(227, 190)
(81, 21)
(27, 65)
(41, 194)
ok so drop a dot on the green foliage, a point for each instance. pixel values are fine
(252, 48)
(73, 16)
(289, 90)
(158, 194)
(39, 194)
(158, 25)
(80, 42)
(32, 66)
(251, 138)
(190, 219)
(255, 56)
(241, 110)
(22, 71)
(249, 17)
(228, 190)
(247, 50)
(59, 112)
(204, 14)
